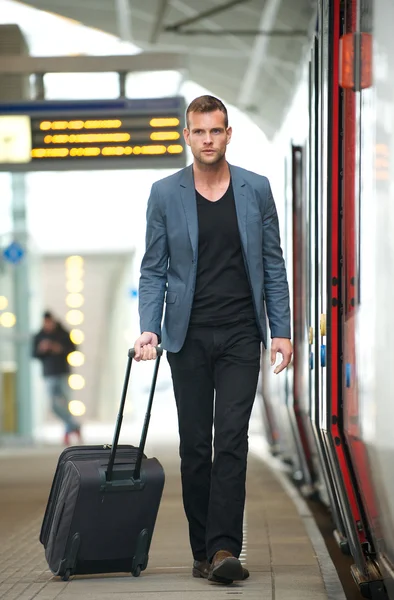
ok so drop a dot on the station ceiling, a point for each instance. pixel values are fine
(247, 52)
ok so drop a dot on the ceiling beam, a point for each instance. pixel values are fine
(267, 20)
(255, 32)
(201, 50)
(235, 42)
(205, 14)
(146, 61)
(158, 24)
(123, 18)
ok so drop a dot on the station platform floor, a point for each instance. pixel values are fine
(283, 548)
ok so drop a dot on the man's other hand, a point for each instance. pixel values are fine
(285, 348)
(145, 346)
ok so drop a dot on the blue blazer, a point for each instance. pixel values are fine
(169, 266)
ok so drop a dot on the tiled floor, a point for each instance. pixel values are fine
(277, 549)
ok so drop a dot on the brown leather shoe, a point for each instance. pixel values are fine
(225, 568)
(201, 568)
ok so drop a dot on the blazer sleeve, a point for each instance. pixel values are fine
(276, 287)
(153, 277)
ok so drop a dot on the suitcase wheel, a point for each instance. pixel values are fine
(137, 571)
(66, 575)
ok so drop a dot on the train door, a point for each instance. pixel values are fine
(318, 241)
(355, 25)
(298, 401)
(276, 397)
(323, 485)
(289, 419)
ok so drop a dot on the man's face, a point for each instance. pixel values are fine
(207, 136)
(49, 324)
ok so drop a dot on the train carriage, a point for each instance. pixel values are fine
(331, 414)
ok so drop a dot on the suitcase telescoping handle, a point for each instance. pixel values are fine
(141, 448)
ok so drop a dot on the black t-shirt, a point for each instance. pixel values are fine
(222, 294)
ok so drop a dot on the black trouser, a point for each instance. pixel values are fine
(225, 360)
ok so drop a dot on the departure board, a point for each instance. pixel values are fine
(89, 135)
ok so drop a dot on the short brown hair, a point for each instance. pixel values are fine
(205, 104)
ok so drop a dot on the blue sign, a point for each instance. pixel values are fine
(73, 108)
(13, 253)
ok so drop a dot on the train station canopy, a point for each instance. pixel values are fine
(247, 52)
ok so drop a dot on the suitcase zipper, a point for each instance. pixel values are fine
(57, 518)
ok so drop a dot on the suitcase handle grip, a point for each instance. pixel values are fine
(140, 453)
(131, 352)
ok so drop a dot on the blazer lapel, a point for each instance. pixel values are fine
(188, 195)
(241, 205)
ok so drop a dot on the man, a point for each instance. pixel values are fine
(51, 345)
(213, 253)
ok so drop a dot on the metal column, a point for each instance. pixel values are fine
(21, 294)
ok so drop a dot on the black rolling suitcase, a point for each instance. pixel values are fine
(103, 504)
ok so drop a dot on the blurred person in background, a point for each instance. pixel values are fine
(52, 345)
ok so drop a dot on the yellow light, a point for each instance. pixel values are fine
(76, 408)
(77, 336)
(76, 358)
(113, 151)
(154, 149)
(165, 135)
(75, 273)
(74, 270)
(74, 286)
(74, 260)
(74, 317)
(175, 149)
(75, 125)
(85, 151)
(169, 122)
(7, 319)
(60, 139)
(103, 124)
(91, 152)
(3, 302)
(88, 138)
(137, 149)
(98, 124)
(76, 382)
(128, 150)
(74, 300)
(49, 152)
(59, 125)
